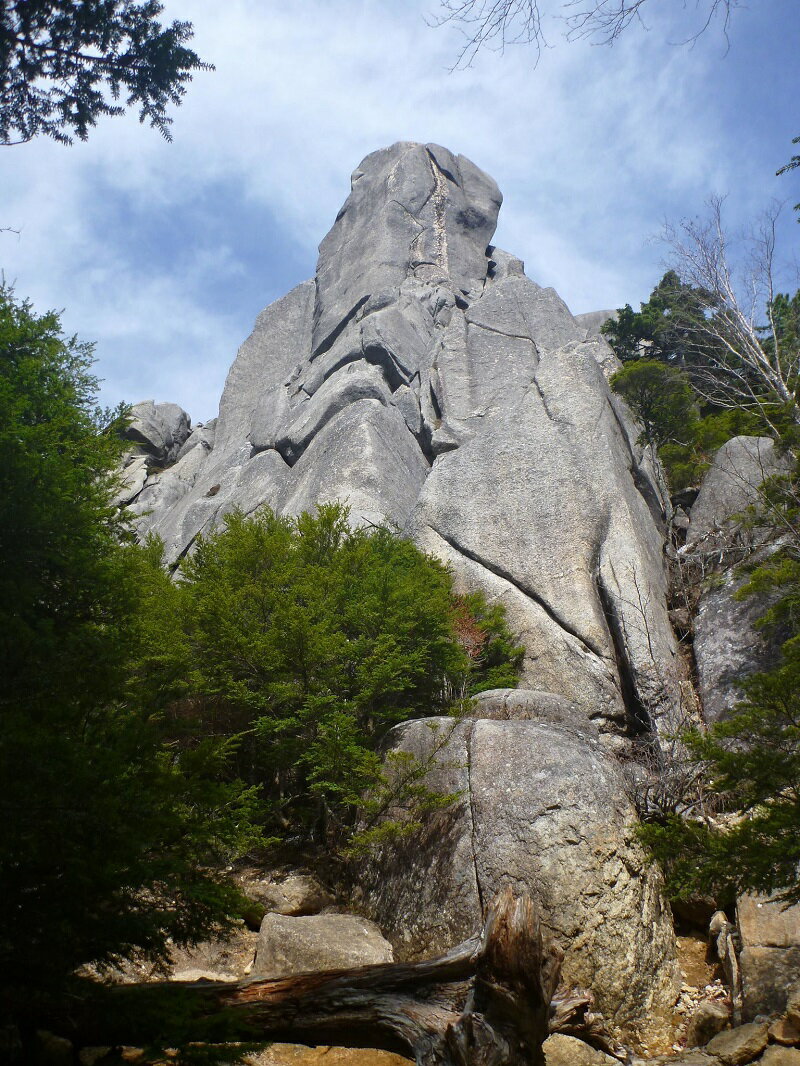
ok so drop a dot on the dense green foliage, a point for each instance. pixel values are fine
(675, 404)
(661, 398)
(65, 64)
(664, 328)
(107, 829)
(309, 640)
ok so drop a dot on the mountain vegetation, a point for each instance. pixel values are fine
(153, 730)
(696, 372)
(307, 640)
(699, 371)
(112, 837)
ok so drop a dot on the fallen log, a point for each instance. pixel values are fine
(485, 1003)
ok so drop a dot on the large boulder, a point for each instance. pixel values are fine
(288, 946)
(730, 486)
(542, 808)
(295, 895)
(737, 1046)
(728, 646)
(770, 957)
(157, 430)
(560, 1050)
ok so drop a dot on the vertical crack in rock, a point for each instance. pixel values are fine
(640, 721)
(498, 571)
(547, 411)
(439, 199)
(640, 481)
(473, 829)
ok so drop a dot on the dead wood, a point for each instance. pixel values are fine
(485, 1003)
(571, 1013)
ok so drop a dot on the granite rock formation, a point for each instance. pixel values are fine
(540, 805)
(424, 380)
(728, 646)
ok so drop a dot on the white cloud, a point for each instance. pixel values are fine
(592, 149)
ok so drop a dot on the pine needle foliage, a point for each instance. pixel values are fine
(109, 832)
(64, 64)
(312, 639)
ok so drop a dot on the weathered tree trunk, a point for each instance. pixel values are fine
(571, 1013)
(486, 1003)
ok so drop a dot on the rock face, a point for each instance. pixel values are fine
(423, 379)
(770, 957)
(731, 485)
(295, 896)
(540, 806)
(727, 644)
(289, 946)
(158, 430)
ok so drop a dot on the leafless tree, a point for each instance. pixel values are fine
(495, 24)
(742, 362)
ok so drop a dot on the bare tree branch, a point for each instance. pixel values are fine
(494, 24)
(742, 363)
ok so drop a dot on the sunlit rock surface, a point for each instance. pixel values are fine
(424, 380)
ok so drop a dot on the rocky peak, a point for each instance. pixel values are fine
(423, 379)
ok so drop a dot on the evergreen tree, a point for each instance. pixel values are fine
(661, 398)
(109, 833)
(64, 64)
(665, 327)
(313, 639)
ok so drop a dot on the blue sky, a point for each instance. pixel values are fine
(163, 254)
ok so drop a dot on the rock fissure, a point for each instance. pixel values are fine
(439, 199)
(328, 342)
(498, 571)
(639, 718)
(553, 418)
(502, 332)
(469, 736)
(641, 482)
(410, 214)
